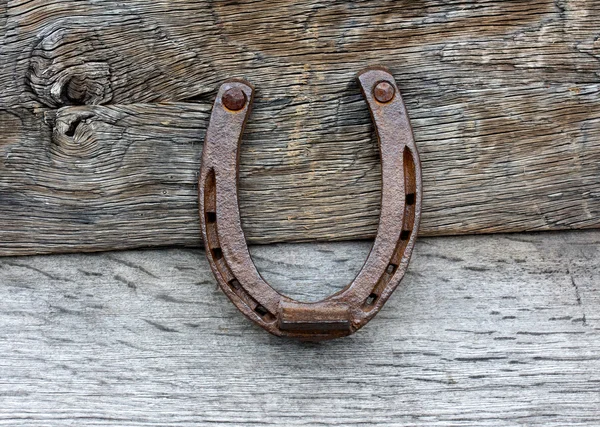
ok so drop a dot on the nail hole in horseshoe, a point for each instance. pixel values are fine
(371, 299)
(261, 310)
(217, 253)
(391, 269)
(264, 313)
(211, 217)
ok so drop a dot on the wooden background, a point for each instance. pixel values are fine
(501, 331)
(104, 106)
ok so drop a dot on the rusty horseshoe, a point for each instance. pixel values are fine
(351, 308)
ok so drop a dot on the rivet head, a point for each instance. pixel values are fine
(384, 92)
(234, 99)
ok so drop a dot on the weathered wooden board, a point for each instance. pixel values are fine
(105, 104)
(485, 331)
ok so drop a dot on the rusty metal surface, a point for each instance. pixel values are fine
(346, 311)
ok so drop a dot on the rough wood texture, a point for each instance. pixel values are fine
(105, 104)
(485, 331)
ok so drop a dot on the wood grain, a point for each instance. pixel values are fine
(484, 331)
(105, 107)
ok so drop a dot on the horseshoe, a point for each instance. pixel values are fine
(346, 311)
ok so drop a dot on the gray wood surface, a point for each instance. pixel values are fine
(484, 331)
(104, 106)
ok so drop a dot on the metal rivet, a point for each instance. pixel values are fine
(384, 92)
(234, 99)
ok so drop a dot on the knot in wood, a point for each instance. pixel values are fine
(75, 76)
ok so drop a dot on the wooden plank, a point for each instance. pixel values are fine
(486, 331)
(503, 97)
